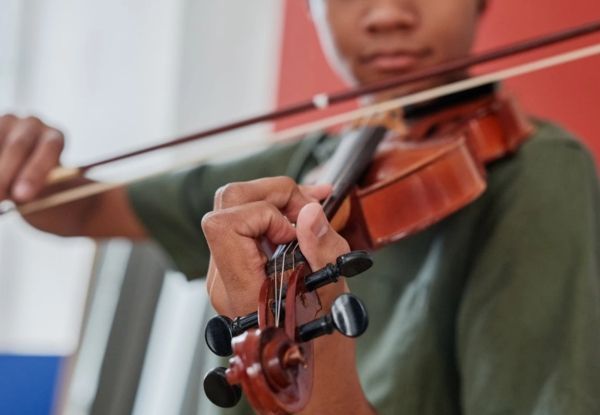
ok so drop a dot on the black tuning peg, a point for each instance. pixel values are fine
(219, 391)
(348, 316)
(347, 265)
(220, 330)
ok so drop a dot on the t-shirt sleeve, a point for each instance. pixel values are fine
(529, 324)
(171, 206)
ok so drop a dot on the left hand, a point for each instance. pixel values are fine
(247, 212)
(266, 208)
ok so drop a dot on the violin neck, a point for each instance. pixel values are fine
(343, 170)
(348, 163)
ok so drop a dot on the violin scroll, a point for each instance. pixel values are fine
(273, 363)
(281, 358)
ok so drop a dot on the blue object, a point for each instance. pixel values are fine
(28, 384)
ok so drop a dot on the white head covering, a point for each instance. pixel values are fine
(318, 9)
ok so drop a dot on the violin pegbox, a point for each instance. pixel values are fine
(270, 364)
(274, 363)
(220, 330)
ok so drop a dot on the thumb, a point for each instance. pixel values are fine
(319, 242)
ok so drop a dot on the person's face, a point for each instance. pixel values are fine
(372, 40)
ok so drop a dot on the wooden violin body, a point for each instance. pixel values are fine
(438, 168)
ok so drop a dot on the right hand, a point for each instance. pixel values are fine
(29, 149)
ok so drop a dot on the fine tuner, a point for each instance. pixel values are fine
(348, 316)
(220, 330)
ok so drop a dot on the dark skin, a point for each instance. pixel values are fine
(369, 40)
(426, 32)
(29, 149)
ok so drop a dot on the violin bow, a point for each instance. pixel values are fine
(322, 101)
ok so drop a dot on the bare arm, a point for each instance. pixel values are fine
(29, 149)
(102, 216)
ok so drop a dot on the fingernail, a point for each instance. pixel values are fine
(22, 190)
(320, 224)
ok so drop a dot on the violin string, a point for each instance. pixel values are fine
(294, 255)
(277, 277)
(275, 282)
(230, 148)
(279, 295)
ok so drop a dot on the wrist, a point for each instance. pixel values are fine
(336, 388)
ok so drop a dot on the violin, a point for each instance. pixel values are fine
(393, 175)
(389, 181)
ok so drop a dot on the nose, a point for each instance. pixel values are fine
(389, 16)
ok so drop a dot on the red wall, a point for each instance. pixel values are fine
(569, 94)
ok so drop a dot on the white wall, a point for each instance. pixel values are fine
(105, 73)
(116, 75)
(229, 67)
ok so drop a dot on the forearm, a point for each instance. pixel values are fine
(104, 215)
(64, 220)
(336, 388)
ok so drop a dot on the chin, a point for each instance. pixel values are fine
(403, 91)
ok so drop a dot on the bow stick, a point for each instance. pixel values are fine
(321, 101)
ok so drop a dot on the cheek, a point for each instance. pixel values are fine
(338, 35)
(343, 20)
(344, 34)
(451, 27)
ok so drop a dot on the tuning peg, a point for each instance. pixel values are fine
(220, 330)
(347, 265)
(219, 391)
(348, 316)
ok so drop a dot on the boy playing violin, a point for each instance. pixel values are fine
(494, 310)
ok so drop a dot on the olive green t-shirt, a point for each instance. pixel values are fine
(494, 310)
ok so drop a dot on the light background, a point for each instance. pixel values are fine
(119, 74)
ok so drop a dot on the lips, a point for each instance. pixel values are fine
(393, 60)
